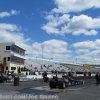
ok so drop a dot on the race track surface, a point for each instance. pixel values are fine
(37, 90)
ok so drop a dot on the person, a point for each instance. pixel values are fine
(9, 76)
(97, 78)
(43, 75)
(26, 73)
(45, 78)
(13, 74)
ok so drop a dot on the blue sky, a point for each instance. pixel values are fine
(68, 29)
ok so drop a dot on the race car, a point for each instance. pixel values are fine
(63, 82)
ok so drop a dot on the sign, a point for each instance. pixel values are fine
(4, 51)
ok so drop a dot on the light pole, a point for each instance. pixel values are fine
(42, 47)
(76, 60)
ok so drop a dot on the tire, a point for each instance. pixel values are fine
(52, 83)
(61, 85)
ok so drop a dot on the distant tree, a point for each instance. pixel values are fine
(22, 69)
(19, 70)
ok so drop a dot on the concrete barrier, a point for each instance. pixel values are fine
(21, 79)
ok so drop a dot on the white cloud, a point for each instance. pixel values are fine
(7, 14)
(76, 25)
(51, 30)
(90, 57)
(4, 14)
(54, 22)
(78, 51)
(82, 24)
(14, 12)
(86, 46)
(66, 6)
(9, 27)
(56, 49)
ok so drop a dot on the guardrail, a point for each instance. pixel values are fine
(23, 79)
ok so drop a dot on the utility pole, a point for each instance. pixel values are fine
(42, 47)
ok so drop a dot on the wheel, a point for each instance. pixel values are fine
(61, 85)
(52, 83)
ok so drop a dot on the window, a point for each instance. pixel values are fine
(17, 60)
(13, 68)
(6, 68)
(7, 47)
(8, 58)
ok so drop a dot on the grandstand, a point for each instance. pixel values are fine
(38, 64)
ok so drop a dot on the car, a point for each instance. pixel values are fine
(63, 82)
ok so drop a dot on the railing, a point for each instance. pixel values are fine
(27, 64)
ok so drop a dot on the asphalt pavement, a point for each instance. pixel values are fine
(36, 90)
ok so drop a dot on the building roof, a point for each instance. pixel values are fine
(10, 44)
(51, 60)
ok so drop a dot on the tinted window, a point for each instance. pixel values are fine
(7, 47)
(8, 58)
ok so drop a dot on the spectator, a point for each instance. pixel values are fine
(41, 67)
(26, 73)
(44, 74)
(13, 74)
(97, 78)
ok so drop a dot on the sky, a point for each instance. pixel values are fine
(68, 30)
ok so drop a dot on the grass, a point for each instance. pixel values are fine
(20, 75)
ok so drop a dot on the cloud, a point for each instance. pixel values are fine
(56, 49)
(7, 14)
(9, 27)
(77, 25)
(82, 24)
(90, 57)
(86, 46)
(87, 52)
(66, 6)
(54, 22)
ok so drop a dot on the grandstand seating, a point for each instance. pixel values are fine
(39, 65)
